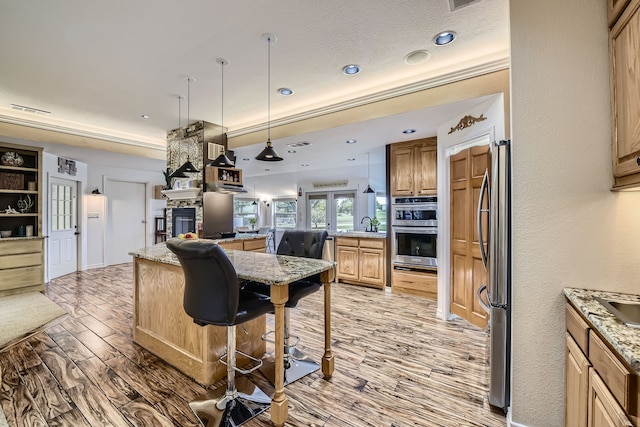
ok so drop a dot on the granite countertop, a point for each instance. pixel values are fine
(360, 234)
(4, 239)
(257, 266)
(624, 339)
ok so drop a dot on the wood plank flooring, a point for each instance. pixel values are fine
(396, 365)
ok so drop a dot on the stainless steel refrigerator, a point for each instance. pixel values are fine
(495, 296)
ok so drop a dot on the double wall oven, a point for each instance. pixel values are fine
(414, 225)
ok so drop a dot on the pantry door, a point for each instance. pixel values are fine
(63, 232)
(468, 273)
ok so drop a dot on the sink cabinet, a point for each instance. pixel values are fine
(599, 389)
(414, 168)
(361, 261)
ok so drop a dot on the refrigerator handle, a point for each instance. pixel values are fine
(485, 306)
(483, 192)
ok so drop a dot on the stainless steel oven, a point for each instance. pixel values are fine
(415, 246)
(415, 211)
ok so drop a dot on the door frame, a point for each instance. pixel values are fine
(79, 186)
(332, 219)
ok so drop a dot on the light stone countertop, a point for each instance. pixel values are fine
(257, 266)
(4, 239)
(624, 339)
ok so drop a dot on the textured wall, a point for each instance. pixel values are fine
(569, 230)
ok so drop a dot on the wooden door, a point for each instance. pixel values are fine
(402, 166)
(604, 410)
(576, 385)
(371, 265)
(427, 170)
(347, 260)
(467, 270)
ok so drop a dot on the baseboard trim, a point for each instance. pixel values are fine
(510, 422)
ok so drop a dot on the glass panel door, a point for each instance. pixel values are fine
(344, 211)
(317, 211)
(333, 211)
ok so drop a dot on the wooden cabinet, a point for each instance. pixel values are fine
(361, 261)
(20, 189)
(21, 265)
(253, 245)
(220, 175)
(599, 389)
(624, 52)
(414, 168)
(414, 282)
(614, 9)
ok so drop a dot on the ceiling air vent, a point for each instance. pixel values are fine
(459, 4)
(29, 109)
(299, 144)
(337, 183)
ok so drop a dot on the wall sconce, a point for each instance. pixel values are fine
(96, 191)
(265, 202)
(299, 191)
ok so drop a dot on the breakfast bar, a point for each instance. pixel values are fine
(162, 327)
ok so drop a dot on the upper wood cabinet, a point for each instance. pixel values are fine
(624, 51)
(614, 9)
(414, 168)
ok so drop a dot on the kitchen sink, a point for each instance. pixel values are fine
(626, 311)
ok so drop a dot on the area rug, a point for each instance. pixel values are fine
(23, 313)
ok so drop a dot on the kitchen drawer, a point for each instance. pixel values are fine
(372, 243)
(19, 260)
(238, 246)
(347, 241)
(578, 328)
(12, 247)
(255, 245)
(415, 283)
(614, 374)
(19, 277)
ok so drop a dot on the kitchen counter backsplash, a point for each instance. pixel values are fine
(624, 339)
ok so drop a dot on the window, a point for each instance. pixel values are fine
(244, 211)
(285, 213)
(381, 211)
(61, 207)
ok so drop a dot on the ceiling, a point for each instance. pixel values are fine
(98, 67)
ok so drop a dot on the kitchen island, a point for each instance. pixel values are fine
(162, 327)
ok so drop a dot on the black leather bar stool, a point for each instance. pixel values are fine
(212, 296)
(307, 244)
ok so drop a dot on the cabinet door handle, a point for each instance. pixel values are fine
(638, 161)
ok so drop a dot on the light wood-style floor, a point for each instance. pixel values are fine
(395, 364)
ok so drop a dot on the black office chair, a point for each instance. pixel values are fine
(307, 244)
(212, 296)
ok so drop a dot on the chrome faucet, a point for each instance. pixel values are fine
(366, 228)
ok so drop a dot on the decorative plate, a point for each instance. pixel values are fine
(11, 159)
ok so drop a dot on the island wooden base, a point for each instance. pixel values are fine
(162, 327)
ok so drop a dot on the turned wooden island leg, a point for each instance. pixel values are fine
(327, 359)
(280, 402)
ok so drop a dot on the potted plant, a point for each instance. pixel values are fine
(252, 221)
(374, 224)
(167, 179)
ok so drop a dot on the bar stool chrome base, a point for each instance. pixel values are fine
(249, 402)
(296, 366)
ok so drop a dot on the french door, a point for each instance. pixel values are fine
(332, 211)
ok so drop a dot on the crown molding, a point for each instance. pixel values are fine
(487, 68)
(78, 132)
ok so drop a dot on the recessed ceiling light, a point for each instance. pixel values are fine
(351, 69)
(444, 38)
(351, 141)
(416, 57)
(285, 91)
(408, 131)
(351, 159)
(145, 116)
(291, 151)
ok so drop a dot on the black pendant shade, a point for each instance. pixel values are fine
(188, 167)
(222, 161)
(178, 173)
(268, 154)
(369, 190)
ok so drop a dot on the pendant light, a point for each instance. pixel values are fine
(188, 166)
(269, 154)
(222, 159)
(178, 173)
(369, 190)
(254, 194)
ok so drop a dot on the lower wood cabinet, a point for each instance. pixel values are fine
(361, 261)
(21, 266)
(414, 282)
(599, 390)
(253, 245)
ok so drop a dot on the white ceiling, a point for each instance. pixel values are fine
(99, 66)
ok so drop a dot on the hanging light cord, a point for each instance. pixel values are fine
(269, 90)
(222, 104)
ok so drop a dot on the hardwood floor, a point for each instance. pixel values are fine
(395, 364)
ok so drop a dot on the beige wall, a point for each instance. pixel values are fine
(569, 230)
